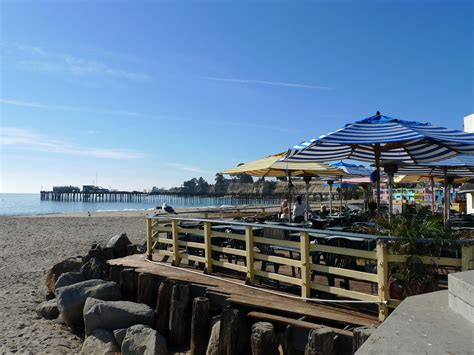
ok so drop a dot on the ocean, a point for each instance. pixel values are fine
(22, 204)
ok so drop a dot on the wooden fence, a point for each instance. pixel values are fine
(174, 239)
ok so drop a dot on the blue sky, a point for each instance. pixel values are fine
(153, 93)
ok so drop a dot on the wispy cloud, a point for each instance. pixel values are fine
(30, 140)
(274, 83)
(135, 114)
(184, 167)
(20, 103)
(38, 59)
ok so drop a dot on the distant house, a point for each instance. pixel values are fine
(65, 189)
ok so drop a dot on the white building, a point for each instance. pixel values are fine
(469, 127)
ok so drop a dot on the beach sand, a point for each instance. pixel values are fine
(29, 247)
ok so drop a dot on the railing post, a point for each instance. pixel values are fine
(175, 234)
(207, 247)
(467, 255)
(305, 265)
(382, 279)
(205, 214)
(149, 239)
(249, 254)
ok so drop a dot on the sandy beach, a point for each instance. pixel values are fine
(29, 247)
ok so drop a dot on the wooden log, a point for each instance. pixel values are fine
(114, 273)
(179, 323)
(320, 342)
(200, 324)
(263, 339)
(234, 337)
(129, 284)
(163, 307)
(361, 334)
(148, 288)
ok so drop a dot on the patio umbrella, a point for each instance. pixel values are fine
(272, 166)
(379, 138)
(458, 167)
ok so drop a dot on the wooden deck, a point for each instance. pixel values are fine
(255, 298)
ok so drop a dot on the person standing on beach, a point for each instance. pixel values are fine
(285, 208)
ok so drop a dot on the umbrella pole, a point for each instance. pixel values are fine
(330, 197)
(307, 198)
(390, 197)
(433, 195)
(290, 188)
(446, 194)
(340, 195)
(377, 166)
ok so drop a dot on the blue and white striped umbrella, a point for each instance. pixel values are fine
(459, 166)
(379, 138)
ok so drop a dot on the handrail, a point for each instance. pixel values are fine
(203, 250)
(370, 237)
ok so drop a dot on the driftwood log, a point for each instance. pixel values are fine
(320, 342)
(163, 307)
(200, 325)
(179, 322)
(263, 339)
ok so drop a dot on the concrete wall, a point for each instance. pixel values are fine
(469, 127)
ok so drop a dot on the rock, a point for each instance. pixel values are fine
(263, 339)
(100, 342)
(119, 244)
(108, 253)
(115, 315)
(95, 268)
(213, 345)
(68, 265)
(71, 298)
(132, 249)
(49, 296)
(69, 278)
(48, 309)
(119, 334)
(142, 340)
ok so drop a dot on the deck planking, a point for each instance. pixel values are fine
(257, 298)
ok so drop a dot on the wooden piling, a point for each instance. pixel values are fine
(148, 285)
(200, 325)
(361, 334)
(129, 284)
(263, 339)
(320, 341)
(179, 325)
(163, 307)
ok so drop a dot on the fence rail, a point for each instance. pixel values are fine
(258, 251)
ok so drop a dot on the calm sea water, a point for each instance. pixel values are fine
(30, 204)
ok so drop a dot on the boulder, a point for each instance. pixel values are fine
(132, 249)
(213, 345)
(119, 334)
(71, 298)
(69, 278)
(95, 268)
(142, 340)
(114, 315)
(108, 253)
(119, 244)
(100, 342)
(68, 265)
(48, 309)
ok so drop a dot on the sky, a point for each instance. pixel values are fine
(135, 94)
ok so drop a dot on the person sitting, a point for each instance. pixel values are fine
(298, 210)
(285, 208)
(323, 210)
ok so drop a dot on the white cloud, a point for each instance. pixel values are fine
(41, 60)
(184, 167)
(29, 140)
(274, 83)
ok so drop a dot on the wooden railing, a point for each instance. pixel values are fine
(251, 249)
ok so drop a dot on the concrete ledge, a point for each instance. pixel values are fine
(457, 305)
(461, 285)
(422, 324)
